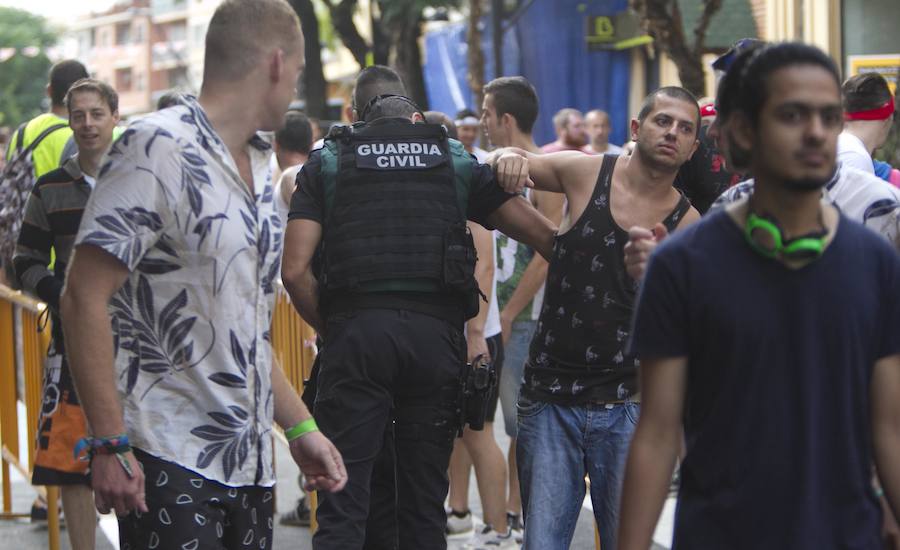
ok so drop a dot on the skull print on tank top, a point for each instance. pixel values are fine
(578, 351)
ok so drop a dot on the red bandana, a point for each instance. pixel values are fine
(880, 113)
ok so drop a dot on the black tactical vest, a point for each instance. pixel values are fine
(392, 210)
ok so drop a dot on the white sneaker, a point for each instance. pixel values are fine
(488, 539)
(514, 522)
(459, 525)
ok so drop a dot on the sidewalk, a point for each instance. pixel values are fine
(22, 535)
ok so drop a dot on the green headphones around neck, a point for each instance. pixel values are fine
(804, 247)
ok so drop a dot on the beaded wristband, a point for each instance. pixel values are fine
(301, 429)
(116, 445)
(91, 446)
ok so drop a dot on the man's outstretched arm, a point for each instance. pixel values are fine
(654, 448)
(518, 219)
(560, 172)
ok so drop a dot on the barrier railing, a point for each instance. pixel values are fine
(28, 344)
(294, 344)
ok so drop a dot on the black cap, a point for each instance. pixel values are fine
(724, 61)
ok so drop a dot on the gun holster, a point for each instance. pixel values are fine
(478, 382)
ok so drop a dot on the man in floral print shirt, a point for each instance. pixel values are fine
(182, 241)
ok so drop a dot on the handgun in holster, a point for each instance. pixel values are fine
(478, 383)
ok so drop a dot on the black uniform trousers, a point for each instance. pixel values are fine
(380, 364)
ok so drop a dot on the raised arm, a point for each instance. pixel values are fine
(556, 172)
(654, 448)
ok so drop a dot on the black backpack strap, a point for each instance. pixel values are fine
(20, 136)
(43, 135)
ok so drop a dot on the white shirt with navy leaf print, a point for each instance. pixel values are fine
(191, 323)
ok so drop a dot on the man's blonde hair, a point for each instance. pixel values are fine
(241, 32)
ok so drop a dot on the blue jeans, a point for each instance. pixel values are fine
(515, 352)
(557, 445)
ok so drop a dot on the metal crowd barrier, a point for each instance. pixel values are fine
(23, 345)
(294, 344)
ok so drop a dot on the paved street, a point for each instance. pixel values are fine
(23, 535)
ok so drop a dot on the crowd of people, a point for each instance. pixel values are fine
(720, 296)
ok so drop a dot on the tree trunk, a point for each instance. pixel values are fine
(311, 84)
(475, 56)
(381, 44)
(662, 19)
(342, 19)
(475, 59)
(408, 57)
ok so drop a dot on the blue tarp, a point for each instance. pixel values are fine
(547, 46)
(446, 65)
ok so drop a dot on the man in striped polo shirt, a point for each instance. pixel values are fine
(52, 216)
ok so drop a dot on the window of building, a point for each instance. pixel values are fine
(123, 80)
(879, 18)
(123, 33)
(139, 82)
(138, 33)
(178, 77)
(176, 32)
(198, 33)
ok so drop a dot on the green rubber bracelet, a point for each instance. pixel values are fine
(301, 429)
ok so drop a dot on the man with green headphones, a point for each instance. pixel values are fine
(860, 195)
(768, 332)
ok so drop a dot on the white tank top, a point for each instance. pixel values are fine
(492, 323)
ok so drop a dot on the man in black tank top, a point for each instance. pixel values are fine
(579, 404)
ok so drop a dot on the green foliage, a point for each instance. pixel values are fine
(327, 37)
(23, 78)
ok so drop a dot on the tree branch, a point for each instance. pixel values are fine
(313, 78)
(342, 19)
(475, 74)
(662, 20)
(710, 8)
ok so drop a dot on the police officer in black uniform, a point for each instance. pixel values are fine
(387, 200)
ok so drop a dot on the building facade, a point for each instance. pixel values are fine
(144, 48)
(115, 46)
